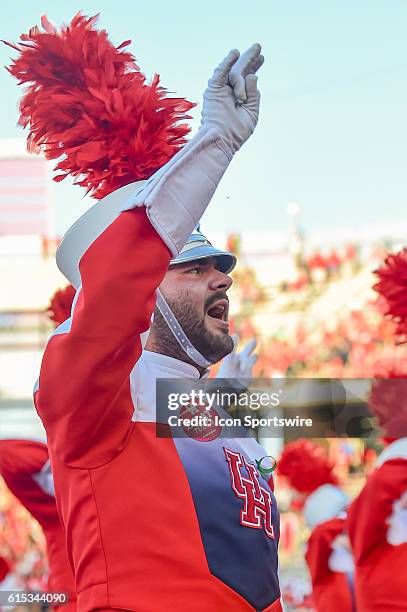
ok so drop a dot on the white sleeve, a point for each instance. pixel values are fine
(177, 195)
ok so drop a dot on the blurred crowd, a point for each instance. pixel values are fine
(22, 547)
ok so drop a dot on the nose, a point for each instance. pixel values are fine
(220, 281)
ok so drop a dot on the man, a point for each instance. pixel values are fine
(156, 523)
(25, 468)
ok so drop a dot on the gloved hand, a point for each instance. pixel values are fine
(248, 63)
(341, 558)
(187, 182)
(232, 100)
(239, 365)
(397, 531)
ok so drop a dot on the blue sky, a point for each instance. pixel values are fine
(333, 129)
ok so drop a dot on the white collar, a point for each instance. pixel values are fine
(179, 369)
(395, 450)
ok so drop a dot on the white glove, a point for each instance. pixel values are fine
(177, 195)
(239, 365)
(232, 100)
(397, 531)
(341, 558)
(248, 63)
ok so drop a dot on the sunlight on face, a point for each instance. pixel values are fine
(197, 293)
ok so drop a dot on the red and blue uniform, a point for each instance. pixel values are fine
(152, 524)
(380, 579)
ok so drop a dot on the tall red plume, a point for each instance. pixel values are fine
(88, 105)
(59, 309)
(388, 402)
(392, 287)
(306, 466)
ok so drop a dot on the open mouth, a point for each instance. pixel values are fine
(219, 310)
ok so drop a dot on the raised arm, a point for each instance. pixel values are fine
(24, 466)
(84, 394)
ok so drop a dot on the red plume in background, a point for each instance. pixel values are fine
(59, 309)
(392, 287)
(388, 402)
(88, 105)
(306, 466)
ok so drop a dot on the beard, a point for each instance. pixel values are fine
(212, 345)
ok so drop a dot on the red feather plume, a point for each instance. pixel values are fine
(59, 309)
(392, 287)
(88, 105)
(388, 402)
(306, 466)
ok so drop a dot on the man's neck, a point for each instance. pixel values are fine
(175, 352)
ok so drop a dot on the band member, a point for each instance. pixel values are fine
(378, 516)
(310, 473)
(152, 523)
(377, 521)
